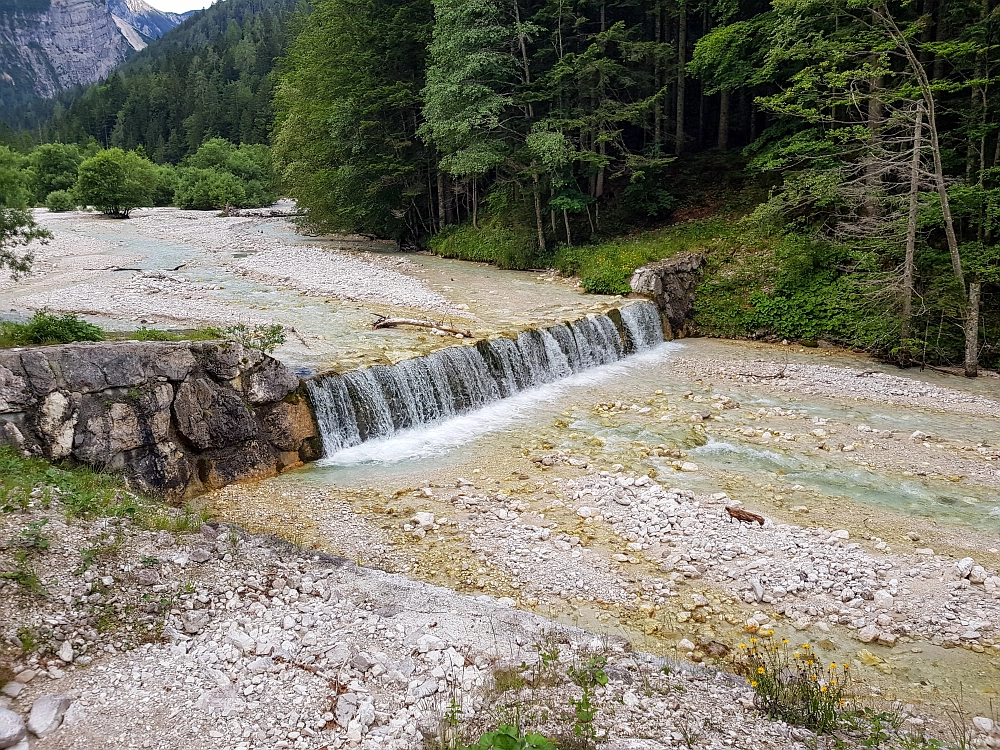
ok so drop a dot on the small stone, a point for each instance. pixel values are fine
(200, 555)
(868, 633)
(689, 466)
(66, 652)
(964, 566)
(12, 689)
(887, 638)
(913, 536)
(978, 574)
(585, 511)
(47, 714)
(883, 599)
(841, 534)
(423, 520)
(923, 551)
(194, 621)
(147, 576)
(12, 729)
(983, 724)
(685, 645)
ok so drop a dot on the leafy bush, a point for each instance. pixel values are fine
(792, 685)
(220, 174)
(45, 328)
(165, 185)
(115, 182)
(502, 242)
(53, 167)
(59, 201)
(206, 189)
(265, 338)
(509, 738)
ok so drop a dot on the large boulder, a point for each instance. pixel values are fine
(211, 416)
(671, 285)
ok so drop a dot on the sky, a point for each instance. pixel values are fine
(179, 6)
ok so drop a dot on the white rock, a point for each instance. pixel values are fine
(983, 724)
(841, 534)
(923, 551)
(685, 645)
(978, 574)
(241, 640)
(964, 566)
(429, 642)
(868, 633)
(12, 729)
(66, 652)
(423, 520)
(585, 511)
(47, 714)
(689, 466)
(883, 599)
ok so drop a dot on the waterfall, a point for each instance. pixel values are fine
(380, 401)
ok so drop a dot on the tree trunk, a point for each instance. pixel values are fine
(538, 211)
(657, 81)
(569, 238)
(972, 332)
(723, 120)
(681, 74)
(475, 203)
(911, 234)
(440, 200)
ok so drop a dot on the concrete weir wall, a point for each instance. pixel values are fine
(176, 419)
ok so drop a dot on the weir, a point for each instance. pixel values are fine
(379, 401)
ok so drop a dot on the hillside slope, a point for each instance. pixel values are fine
(47, 46)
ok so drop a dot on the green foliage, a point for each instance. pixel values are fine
(164, 185)
(47, 328)
(263, 337)
(348, 105)
(791, 684)
(115, 182)
(220, 174)
(80, 491)
(605, 268)
(501, 241)
(53, 167)
(153, 334)
(18, 230)
(60, 201)
(510, 738)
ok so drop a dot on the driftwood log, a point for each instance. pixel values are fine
(393, 322)
(743, 516)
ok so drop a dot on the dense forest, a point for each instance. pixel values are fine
(531, 126)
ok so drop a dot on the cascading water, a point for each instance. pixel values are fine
(380, 401)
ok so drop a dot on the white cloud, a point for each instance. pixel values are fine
(179, 6)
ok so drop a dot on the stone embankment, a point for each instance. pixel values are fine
(671, 285)
(176, 418)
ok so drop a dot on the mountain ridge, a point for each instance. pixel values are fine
(47, 46)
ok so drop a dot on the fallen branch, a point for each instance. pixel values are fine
(137, 270)
(777, 375)
(743, 516)
(383, 322)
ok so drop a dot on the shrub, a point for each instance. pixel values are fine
(265, 338)
(792, 685)
(115, 182)
(206, 189)
(165, 186)
(54, 167)
(502, 242)
(45, 328)
(59, 201)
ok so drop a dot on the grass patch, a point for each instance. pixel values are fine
(606, 268)
(46, 328)
(192, 334)
(500, 241)
(791, 684)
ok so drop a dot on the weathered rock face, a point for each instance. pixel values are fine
(671, 285)
(177, 419)
(50, 45)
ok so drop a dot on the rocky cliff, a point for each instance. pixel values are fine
(50, 45)
(176, 419)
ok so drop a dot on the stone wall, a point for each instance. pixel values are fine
(176, 419)
(671, 285)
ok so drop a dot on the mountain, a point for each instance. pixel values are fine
(144, 19)
(47, 46)
(209, 77)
